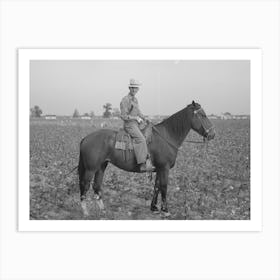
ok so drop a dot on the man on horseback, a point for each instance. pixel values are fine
(132, 117)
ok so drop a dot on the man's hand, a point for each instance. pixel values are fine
(148, 120)
(139, 120)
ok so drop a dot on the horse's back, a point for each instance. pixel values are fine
(98, 136)
(96, 147)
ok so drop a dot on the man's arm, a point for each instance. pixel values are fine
(125, 110)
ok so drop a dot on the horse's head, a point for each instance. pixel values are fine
(200, 123)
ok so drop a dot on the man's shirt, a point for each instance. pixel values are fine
(130, 107)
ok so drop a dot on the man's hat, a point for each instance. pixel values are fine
(134, 83)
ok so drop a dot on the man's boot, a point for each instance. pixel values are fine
(147, 166)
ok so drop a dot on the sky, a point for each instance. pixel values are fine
(59, 87)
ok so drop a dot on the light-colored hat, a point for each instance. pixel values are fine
(134, 83)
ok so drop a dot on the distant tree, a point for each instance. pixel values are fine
(108, 108)
(91, 114)
(86, 114)
(36, 112)
(76, 114)
(116, 112)
(32, 112)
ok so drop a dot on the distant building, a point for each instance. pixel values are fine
(241, 117)
(226, 116)
(214, 117)
(50, 117)
(85, 117)
(229, 116)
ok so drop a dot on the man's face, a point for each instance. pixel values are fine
(133, 90)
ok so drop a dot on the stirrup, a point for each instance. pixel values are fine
(147, 167)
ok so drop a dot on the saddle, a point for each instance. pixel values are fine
(125, 142)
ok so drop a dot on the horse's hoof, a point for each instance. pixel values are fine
(165, 214)
(155, 210)
(100, 204)
(86, 214)
(84, 207)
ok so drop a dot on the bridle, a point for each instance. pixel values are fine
(200, 117)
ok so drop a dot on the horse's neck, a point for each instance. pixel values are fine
(177, 136)
(178, 139)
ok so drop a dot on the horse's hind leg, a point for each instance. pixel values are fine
(154, 207)
(163, 181)
(84, 187)
(98, 179)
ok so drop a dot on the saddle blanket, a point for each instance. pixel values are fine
(123, 141)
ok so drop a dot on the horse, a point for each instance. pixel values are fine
(98, 149)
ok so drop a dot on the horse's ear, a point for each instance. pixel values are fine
(193, 103)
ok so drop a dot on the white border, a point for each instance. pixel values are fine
(24, 57)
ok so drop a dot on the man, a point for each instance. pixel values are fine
(132, 117)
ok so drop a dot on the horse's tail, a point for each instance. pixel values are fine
(70, 171)
(81, 166)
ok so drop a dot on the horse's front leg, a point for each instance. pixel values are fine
(154, 207)
(163, 181)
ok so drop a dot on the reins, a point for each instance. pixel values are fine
(171, 144)
(166, 140)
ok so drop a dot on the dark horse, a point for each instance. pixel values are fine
(98, 148)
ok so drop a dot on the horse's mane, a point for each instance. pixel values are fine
(177, 123)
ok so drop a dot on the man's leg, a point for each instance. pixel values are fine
(140, 146)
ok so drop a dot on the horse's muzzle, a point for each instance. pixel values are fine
(210, 134)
